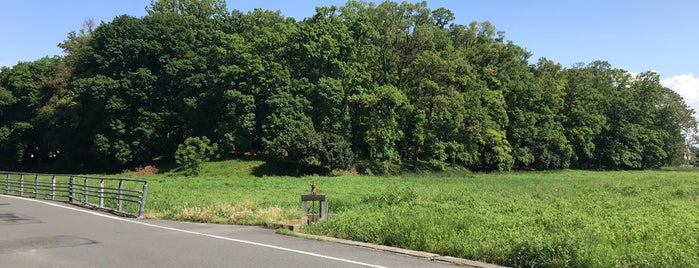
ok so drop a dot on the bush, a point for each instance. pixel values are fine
(300, 145)
(304, 147)
(193, 152)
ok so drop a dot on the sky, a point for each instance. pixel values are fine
(637, 36)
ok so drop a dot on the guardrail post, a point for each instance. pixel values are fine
(21, 184)
(53, 187)
(56, 190)
(143, 199)
(101, 193)
(36, 186)
(85, 192)
(71, 189)
(119, 194)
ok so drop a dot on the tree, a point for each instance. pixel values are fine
(396, 84)
(6, 97)
(285, 110)
(678, 121)
(236, 128)
(543, 135)
(337, 152)
(191, 154)
(383, 132)
(586, 94)
(24, 94)
(330, 111)
(300, 145)
(202, 9)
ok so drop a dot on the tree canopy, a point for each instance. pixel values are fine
(394, 84)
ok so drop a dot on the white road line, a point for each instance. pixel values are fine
(198, 233)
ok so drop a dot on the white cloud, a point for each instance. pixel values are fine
(687, 85)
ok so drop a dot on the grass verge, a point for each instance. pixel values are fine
(534, 219)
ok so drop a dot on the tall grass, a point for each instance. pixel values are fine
(535, 219)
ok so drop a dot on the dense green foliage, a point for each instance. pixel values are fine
(302, 146)
(400, 83)
(530, 219)
(193, 152)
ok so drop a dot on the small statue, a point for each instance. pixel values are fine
(313, 188)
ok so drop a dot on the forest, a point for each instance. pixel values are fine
(390, 86)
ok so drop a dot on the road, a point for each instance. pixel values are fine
(39, 233)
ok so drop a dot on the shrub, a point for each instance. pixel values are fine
(193, 152)
(303, 147)
(300, 145)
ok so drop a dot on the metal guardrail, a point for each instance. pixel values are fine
(122, 195)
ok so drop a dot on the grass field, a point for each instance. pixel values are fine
(534, 219)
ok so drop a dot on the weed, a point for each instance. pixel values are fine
(391, 197)
(526, 219)
(548, 253)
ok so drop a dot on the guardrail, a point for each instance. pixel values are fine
(127, 196)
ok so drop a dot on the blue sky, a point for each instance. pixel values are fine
(637, 36)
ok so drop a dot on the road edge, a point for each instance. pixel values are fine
(409, 252)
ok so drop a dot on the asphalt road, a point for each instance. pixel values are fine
(39, 233)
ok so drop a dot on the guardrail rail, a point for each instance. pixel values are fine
(122, 195)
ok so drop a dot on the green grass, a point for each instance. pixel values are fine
(535, 219)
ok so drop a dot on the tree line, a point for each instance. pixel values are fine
(389, 85)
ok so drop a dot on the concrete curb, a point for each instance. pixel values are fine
(409, 252)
